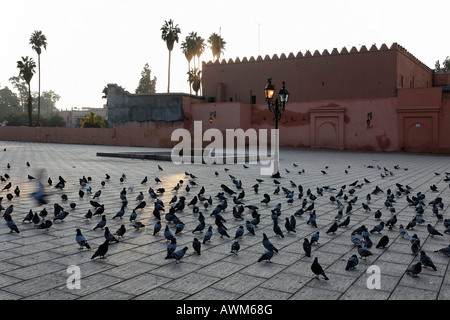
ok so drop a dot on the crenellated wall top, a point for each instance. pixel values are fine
(324, 53)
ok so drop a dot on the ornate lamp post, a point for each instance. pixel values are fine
(277, 107)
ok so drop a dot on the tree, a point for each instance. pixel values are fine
(170, 36)
(199, 48)
(217, 45)
(146, 84)
(195, 79)
(8, 102)
(48, 102)
(188, 48)
(38, 41)
(92, 120)
(21, 86)
(445, 65)
(27, 68)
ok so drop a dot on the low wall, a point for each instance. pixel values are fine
(156, 137)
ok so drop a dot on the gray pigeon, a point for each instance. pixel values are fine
(235, 247)
(382, 243)
(239, 232)
(378, 228)
(11, 224)
(426, 261)
(81, 240)
(266, 256)
(197, 245)
(307, 247)
(208, 235)
(444, 251)
(315, 238)
(316, 268)
(414, 269)
(179, 254)
(352, 262)
(109, 236)
(432, 231)
(267, 244)
(364, 252)
(101, 224)
(101, 250)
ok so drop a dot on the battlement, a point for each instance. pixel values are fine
(344, 51)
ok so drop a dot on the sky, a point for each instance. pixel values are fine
(96, 42)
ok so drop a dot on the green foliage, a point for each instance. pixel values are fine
(146, 84)
(444, 67)
(8, 102)
(92, 120)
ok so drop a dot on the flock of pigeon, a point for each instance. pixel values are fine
(212, 210)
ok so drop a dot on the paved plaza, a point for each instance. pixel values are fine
(40, 264)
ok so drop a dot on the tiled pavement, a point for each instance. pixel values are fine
(34, 263)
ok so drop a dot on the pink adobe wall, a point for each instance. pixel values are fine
(367, 73)
(158, 137)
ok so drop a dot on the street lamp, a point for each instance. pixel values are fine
(277, 107)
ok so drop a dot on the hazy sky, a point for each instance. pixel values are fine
(96, 42)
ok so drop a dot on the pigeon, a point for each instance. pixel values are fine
(196, 245)
(29, 216)
(223, 232)
(61, 216)
(88, 214)
(101, 224)
(100, 210)
(11, 224)
(288, 226)
(411, 224)
(179, 254)
(101, 250)
(267, 244)
(312, 220)
(316, 268)
(36, 220)
(208, 235)
(415, 247)
(46, 224)
(307, 247)
(250, 227)
(432, 231)
(315, 238)
(333, 228)
(81, 240)
(364, 252)
(141, 205)
(266, 256)
(235, 247)
(391, 222)
(378, 228)
(382, 243)
(266, 199)
(200, 227)
(109, 236)
(171, 247)
(168, 234)
(277, 230)
(344, 223)
(426, 261)
(352, 262)
(121, 231)
(414, 269)
(120, 213)
(239, 232)
(444, 250)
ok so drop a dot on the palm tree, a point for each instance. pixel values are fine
(27, 68)
(199, 48)
(92, 120)
(170, 36)
(217, 45)
(195, 79)
(37, 41)
(188, 48)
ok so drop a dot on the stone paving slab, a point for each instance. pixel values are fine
(33, 263)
